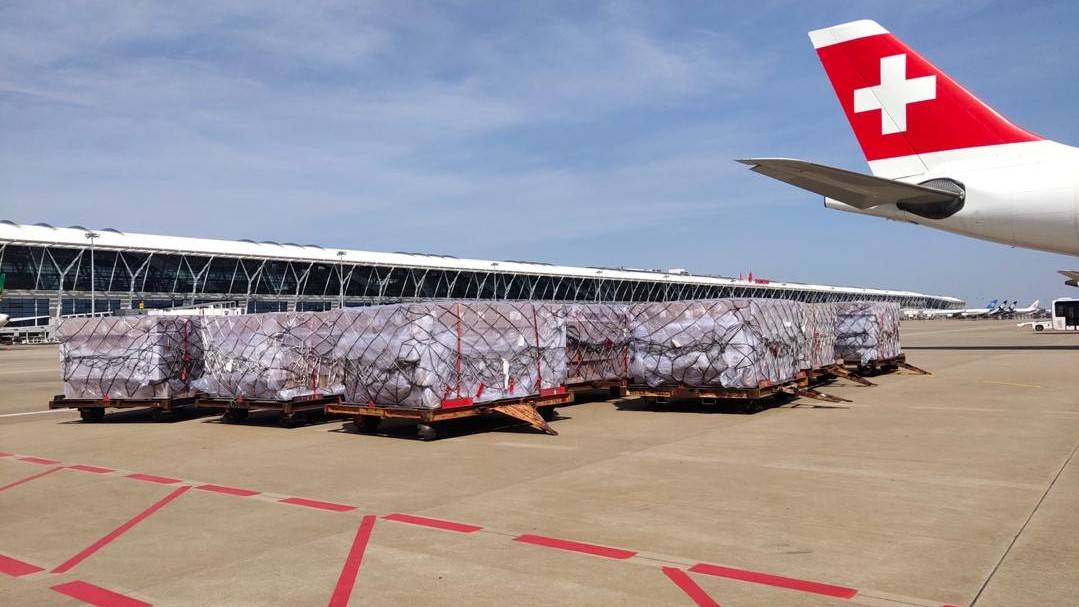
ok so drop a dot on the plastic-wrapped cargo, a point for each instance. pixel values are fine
(867, 331)
(425, 355)
(130, 357)
(597, 342)
(820, 334)
(274, 356)
(728, 343)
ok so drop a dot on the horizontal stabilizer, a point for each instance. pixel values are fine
(857, 190)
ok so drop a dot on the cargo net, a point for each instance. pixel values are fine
(597, 342)
(424, 355)
(820, 334)
(728, 343)
(130, 357)
(867, 331)
(276, 356)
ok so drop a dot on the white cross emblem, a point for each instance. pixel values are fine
(893, 94)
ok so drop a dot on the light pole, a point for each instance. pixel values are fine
(341, 280)
(93, 299)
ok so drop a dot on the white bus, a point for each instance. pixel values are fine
(1065, 316)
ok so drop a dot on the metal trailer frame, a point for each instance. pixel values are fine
(616, 387)
(293, 412)
(535, 410)
(92, 410)
(886, 365)
(749, 398)
(828, 373)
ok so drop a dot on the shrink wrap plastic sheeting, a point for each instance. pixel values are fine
(275, 356)
(820, 334)
(130, 357)
(597, 342)
(419, 355)
(729, 343)
(867, 331)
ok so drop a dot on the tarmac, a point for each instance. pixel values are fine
(959, 488)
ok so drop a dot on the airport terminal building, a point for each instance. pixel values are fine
(52, 271)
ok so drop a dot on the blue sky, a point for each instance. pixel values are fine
(580, 133)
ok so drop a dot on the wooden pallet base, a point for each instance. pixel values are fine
(529, 409)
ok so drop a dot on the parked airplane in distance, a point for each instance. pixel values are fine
(1032, 308)
(940, 157)
(989, 308)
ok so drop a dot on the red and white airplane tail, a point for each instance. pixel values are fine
(903, 109)
(939, 156)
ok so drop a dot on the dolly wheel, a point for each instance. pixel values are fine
(367, 424)
(548, 413)
(426, 432)
(92, 415)
(233, 416)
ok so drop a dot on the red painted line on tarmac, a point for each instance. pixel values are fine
(228, 490)
(30, 478)
(162, 480)
(768, 579)
(423, 521)
(38, 460)
(96, 595)
(5, 454)
(94, 469)
(347, 580)
(300, 501)
(16, 568)
(688, 586)
(115, 533)
(552, 542)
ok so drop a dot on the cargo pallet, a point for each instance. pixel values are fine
(294, 412)
(617, 387)
(749, 397)
(535, 410)
(828, 373)
(92, 410)
(886, 365)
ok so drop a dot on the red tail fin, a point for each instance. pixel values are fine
(898, 103)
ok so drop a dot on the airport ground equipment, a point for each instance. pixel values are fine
(93, 410)
(291, 412)
(535, 410)
(1065, 317)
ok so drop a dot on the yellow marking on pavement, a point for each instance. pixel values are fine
(1008, 383)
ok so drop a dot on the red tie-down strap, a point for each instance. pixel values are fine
(185, 357)
(513, 385)
(106, 399)
(552, 391)
(479, 391)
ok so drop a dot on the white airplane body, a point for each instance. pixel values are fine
(1032, 308)
(4, 319)
(939, 156)
(991, 307)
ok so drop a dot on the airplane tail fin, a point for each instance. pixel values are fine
(903, 109)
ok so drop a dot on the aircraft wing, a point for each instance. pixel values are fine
(857, 190)
(1072, 276)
